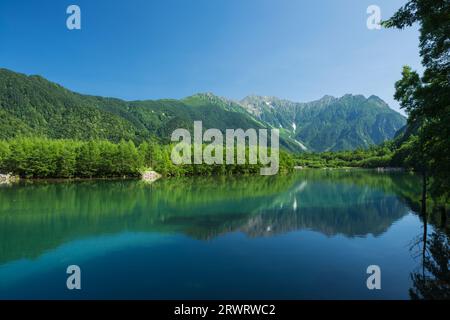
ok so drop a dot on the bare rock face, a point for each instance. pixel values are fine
(150, 176)
(8, 178)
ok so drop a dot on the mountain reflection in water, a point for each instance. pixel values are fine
(40, 217)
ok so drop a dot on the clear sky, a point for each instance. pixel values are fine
(148, 49)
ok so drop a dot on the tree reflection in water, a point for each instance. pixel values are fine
(432, 282)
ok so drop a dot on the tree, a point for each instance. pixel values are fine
(88, 159)
(4, 154)
(129, 162)
(427, 98)
(65, 158)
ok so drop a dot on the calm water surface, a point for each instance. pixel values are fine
(309, 235)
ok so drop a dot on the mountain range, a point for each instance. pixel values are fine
(330, 124)
(34, 106)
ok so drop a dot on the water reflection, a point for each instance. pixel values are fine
(431, 280)
(38, 217)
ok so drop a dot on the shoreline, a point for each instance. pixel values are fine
(156, 176)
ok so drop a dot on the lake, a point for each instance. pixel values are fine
(307, 235)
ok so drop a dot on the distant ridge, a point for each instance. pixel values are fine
(330, 124)
(34, 106)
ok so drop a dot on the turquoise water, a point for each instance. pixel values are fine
(308, 235)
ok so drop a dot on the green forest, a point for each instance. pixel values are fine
(47, 158)
(386, 155)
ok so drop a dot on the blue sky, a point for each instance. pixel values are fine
(148, 49)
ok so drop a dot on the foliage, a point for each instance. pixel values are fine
(427, 98)
(373, 157)
(47, 158)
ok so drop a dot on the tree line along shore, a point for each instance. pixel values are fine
(42, 158)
